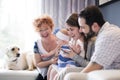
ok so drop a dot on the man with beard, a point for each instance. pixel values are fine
(107, 49)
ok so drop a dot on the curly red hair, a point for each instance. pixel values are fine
(44, 19)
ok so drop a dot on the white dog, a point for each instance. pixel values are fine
(19, 61)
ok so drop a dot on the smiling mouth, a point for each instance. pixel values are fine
(45, 35)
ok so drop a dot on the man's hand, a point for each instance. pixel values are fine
(91, 67)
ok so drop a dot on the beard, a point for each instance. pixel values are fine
(90, 34)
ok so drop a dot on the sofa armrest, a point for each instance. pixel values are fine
(18, 75)
(104, 75)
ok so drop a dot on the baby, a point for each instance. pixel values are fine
(63, 46)
(63, 40)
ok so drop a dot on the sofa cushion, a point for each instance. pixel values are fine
(18, 75)
(104, 75)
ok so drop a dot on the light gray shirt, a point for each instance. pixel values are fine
(90, 49)
(107, 47)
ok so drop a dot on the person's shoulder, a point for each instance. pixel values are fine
(110, 30)
(114, 31)
(112, 34)
(37, 42)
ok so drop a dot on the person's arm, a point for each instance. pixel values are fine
(38, 59)
(80, 60)
(77, 58)
(53, 52)
(91, 67)
(40, 63)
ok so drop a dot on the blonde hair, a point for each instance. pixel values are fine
(44, 19)
(64, 31)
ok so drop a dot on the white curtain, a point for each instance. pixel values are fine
(16, 18)
(59, 10)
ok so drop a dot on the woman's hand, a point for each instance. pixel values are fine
(69, 54)
(76, 48)
(51, 53)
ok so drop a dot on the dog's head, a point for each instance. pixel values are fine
(13, 53)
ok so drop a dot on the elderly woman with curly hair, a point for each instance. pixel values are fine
(44, 26)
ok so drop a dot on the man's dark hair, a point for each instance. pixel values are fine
(92, 14)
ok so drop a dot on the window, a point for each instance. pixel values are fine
(16, 18)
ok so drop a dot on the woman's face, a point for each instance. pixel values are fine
(45, 31)
(73, 31)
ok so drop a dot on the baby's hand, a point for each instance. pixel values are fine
(54, 60)
(69, 54)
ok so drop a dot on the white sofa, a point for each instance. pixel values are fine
(96, 75)
(18, 74)
(31, 75)
(104, 75)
